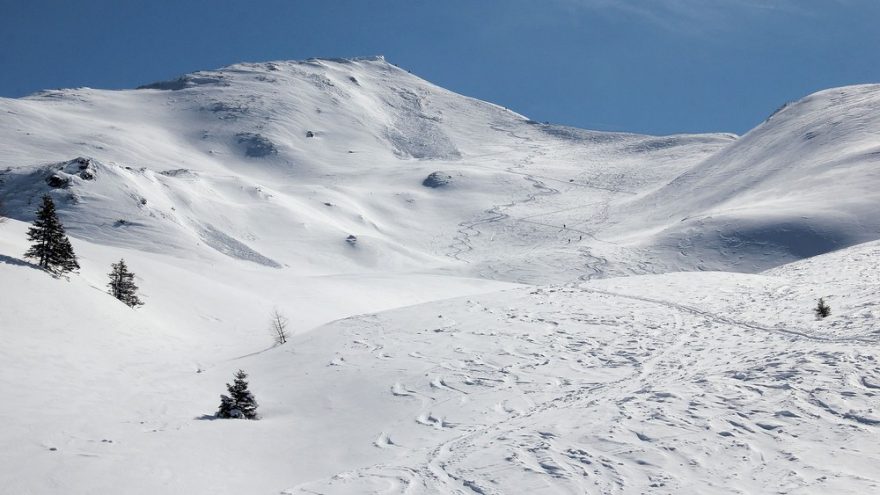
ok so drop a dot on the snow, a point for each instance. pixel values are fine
(555, 311)
(798, 185)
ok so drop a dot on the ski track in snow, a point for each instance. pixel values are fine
(673, 399)
(469, 230)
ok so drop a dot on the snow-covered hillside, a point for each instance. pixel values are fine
(279, 163)
(481, 303)
(802, 183)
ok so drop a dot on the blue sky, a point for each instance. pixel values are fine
(653, 66)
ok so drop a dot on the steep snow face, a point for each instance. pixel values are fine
(800, 184)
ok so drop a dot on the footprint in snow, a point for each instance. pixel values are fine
(429, 419)
(400, 391)
(505, 408)
(383, 441)
(868, 382)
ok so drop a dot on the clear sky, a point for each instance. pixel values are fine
(653, 66)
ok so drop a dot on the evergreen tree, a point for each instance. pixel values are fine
(240, 403)
(122, 285)
(822, 310)
(51, 247)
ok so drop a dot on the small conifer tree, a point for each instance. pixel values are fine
(122, 284)
(240, 403)
(51, 247)
(822, 310)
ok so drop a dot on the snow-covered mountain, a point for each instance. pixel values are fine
(267, 162)
(481, 303)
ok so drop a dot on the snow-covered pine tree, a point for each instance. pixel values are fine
(51, 247)
(227, 408)
(822, 309)
(122, 285)
(240, 403)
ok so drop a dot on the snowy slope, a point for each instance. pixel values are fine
(221, 162)
(91, 375)
(679, 383)
(420, 362)
(690, 383)
(800, 184)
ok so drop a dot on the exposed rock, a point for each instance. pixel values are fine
(179, 172)
(188, 81)
(84, 167)
(437, 179)
(56, 181)
(82, 163)
(256, 145)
